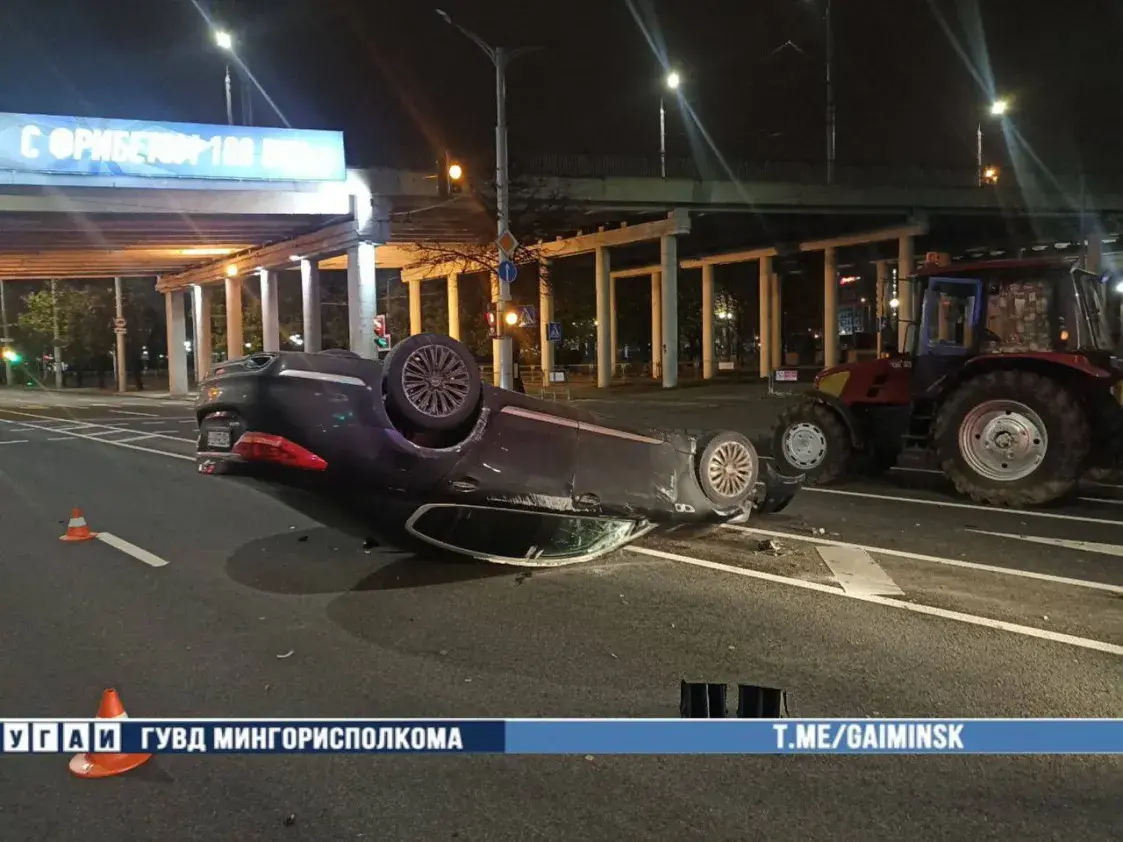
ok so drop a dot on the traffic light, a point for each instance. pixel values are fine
(11, 355)
(381, 337)
(490, 316)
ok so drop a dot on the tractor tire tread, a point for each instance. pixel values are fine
(835, 467)
(1071, 437)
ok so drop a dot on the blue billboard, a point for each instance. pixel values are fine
(38, 143)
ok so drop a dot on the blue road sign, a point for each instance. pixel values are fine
(553, 331)
(528, 317)
(508, 271)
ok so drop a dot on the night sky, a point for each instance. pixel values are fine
(912, 76)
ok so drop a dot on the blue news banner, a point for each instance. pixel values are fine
(565, 736)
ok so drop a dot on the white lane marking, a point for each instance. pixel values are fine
(894, 468)
(857, 572)
(112, 442)
(15, 441)
(134, 438)
(19, 429)
(934, 559)
(1067, 543)
(131, 549)
(1113, 500)
(87, 426)
(989, 509)
(142, 414)
(151, 422)
(958, 616)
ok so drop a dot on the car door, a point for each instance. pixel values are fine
(620, 469)
(524, 457)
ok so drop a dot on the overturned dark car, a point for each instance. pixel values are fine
(417, 440)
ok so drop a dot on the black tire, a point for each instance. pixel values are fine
(727, 468)
(839, 448)
(1066, 440)
(440, 406)
(1105, 460)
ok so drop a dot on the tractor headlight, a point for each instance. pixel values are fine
(833, 384)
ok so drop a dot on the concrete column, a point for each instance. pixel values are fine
(657, 325)
(454, 305)
(668, 258)
(604, 318)
(777, 355)
(708, 321)
(177, 342)
(764, 295)
(362, 303)
(270, 317)
(235, 338)
(415, 308)
(830, 307)
(545, 316)
(612, 340)
(122, 361)
(201, 297)
(881, 300)
(310, 293)
(906, 265)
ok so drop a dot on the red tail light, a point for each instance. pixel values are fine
(261, 447)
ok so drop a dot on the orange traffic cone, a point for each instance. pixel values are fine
(91, 765)
(77, 530)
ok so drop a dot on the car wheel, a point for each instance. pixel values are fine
(432, 381)
(728, 468)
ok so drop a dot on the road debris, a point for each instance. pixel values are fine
(288, 654)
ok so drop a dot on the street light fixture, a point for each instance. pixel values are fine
(455, 172)
(672, 82)
(225, 42)
(500, 57)
(998, 108)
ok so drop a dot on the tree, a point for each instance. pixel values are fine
(536, 213)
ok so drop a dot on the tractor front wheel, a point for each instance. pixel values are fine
(1012, 438)
(810, 439)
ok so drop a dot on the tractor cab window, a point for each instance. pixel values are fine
(1018, 317)
(950, 313)
(1085, 325)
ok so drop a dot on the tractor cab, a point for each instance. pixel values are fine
(1027, 309)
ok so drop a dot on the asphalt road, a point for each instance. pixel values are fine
(983, 625)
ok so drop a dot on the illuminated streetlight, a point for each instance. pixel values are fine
(455, 172)
(672, 81)
(512, 318)
(231, 270)
(224, 39)
(894, 303)
(998, 108)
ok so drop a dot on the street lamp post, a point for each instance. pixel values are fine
(225, 42)
(672, 82)
(997, 109)
(4, 337)
(500, 57)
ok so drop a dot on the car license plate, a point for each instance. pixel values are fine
(218, 439)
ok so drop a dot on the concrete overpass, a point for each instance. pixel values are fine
(132, 213)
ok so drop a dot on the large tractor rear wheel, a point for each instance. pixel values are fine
(1105, 461)
(811, 439)
(1012, 438)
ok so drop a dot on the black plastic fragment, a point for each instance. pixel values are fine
(760, 702)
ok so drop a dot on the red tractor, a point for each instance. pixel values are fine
(1007, 381)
